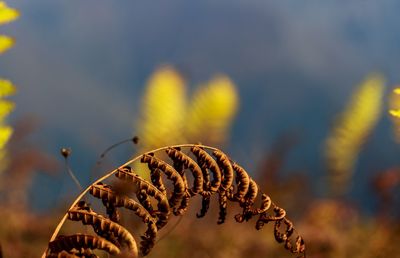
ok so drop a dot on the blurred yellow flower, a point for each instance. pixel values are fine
(351, 130)
(7, 14)
(5, 108)
(168, 118)
(5, 43)
(211, 111)
(163, 108)
(5, 134)
(394, 111)
(6, 87)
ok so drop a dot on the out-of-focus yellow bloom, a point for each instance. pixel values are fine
(5, 134)
(6, 87)
(167, 118)
(212, 110)
(5, 43)
(7, 14)
(351, 130)
(163, 109)
(394, 111)
(5, 108)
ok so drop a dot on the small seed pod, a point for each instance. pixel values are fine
(65, 152)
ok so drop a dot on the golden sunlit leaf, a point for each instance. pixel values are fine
(7, 14)
(163, 109)
(5, 43)
(351, 130)
(212, 110)
(6, 88)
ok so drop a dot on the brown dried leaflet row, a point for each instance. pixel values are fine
(192, 170)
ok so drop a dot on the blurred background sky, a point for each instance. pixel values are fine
(81, 67)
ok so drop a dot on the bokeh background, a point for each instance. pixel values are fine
(81, 69)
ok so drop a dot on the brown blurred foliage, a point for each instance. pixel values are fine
(385, 185)
(23, 233)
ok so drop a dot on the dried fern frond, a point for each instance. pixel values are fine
(103, 226)
(213, 172)
(185, 162)
(351, 130)
(79, 242)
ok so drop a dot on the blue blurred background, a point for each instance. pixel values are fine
(81, 67)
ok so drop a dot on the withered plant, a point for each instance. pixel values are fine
(177, 174)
